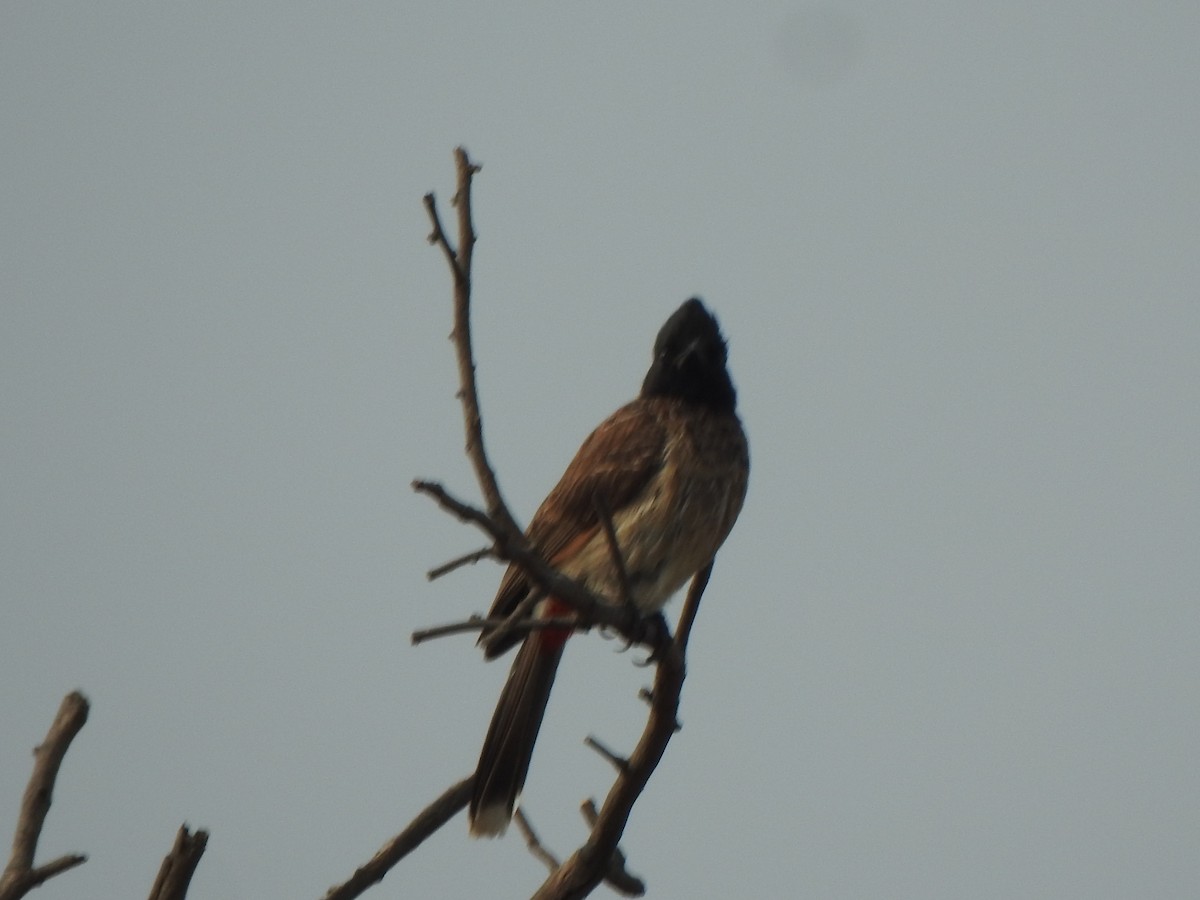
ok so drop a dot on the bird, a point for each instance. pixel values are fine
(669, 470)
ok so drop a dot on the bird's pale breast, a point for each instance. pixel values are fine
(682, 518)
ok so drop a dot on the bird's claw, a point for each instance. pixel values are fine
(653, 631)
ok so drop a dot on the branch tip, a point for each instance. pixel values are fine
(20, 875)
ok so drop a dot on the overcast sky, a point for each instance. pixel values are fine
(951, 648)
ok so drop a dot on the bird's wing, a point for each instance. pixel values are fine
(612, 467)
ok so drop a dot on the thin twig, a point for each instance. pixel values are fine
(589, 812)
(460, 268)
(467, 559)
(475, 623)
(536, 847)
(614, 550)
(514, 623)
(592, 609)
(615, 760)
(20, 876)
(478, 623)
(429, 820)
(438, 237)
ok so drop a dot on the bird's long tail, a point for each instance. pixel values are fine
(508, 747)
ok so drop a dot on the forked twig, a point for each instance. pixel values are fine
(599, 858)
(460, 267)
(21, 876)
(591, 608)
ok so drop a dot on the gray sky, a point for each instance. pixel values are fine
(949, 651)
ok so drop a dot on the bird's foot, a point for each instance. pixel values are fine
(653, 631)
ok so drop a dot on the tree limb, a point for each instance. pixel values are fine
(592, 609)
(498, 522)
(533, 842)
(20, 875)
(616, 875)
(460, 268)
(178, 866)
(429, 820)
(600, 857)
(587, 866)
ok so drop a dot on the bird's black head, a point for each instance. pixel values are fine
(689, 360)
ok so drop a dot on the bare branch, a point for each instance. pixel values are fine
(429, 820)
(691, 606)
(599, 858)
(46, 871)
(460, 268)
(478, 623)
(463, 511)
(20, 876)
(515, 621)
(497, 521)
(616, 875)
(592, 609)
(544, 856)
(462, 202)
(475, 623)
(586, 867)
(467, 559)
(618, 762)
(614, 549)
(438, 235)
(178, 866)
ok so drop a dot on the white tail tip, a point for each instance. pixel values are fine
(490, 821)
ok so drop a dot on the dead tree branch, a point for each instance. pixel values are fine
(460, 267)
(533, 843)
(20, 875)
(178, 866)
(477, 623)
(599, 859)
(429, 820)
(615, 760)
(497, 521)
(467, 559)
(588, 865)
(593, 610)
(616, 876)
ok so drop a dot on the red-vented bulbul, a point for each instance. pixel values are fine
(670, 471)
